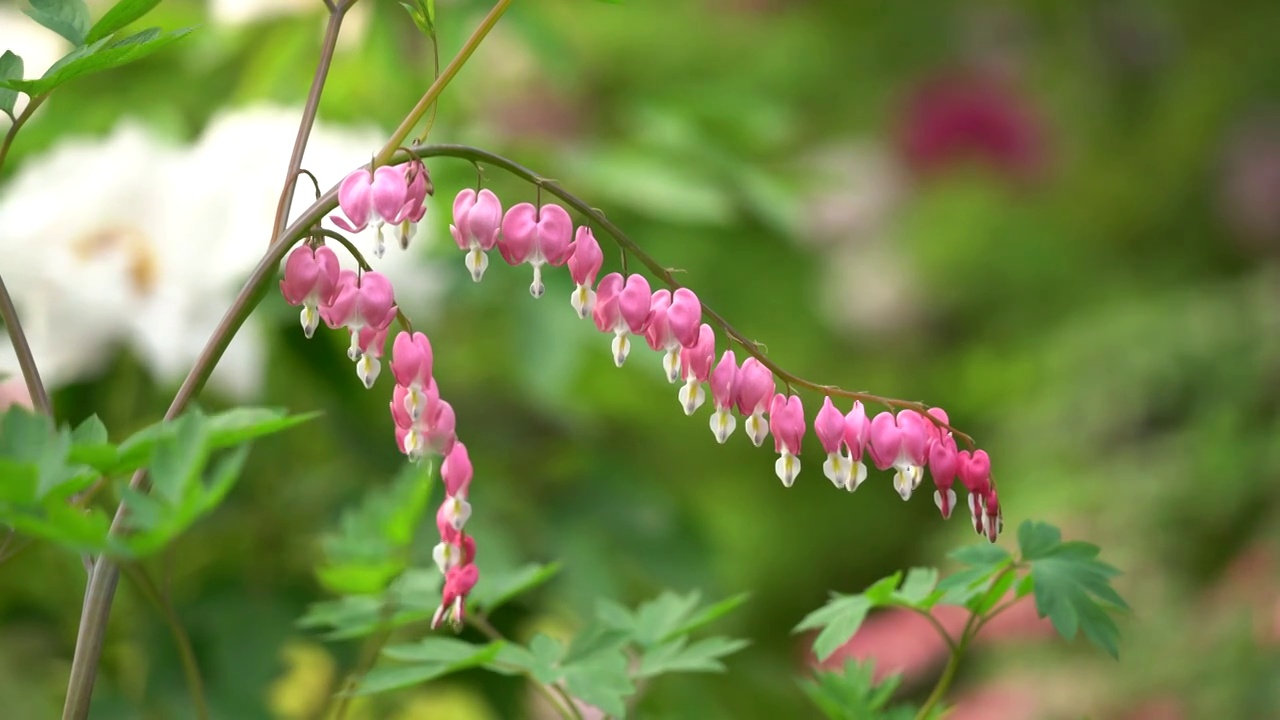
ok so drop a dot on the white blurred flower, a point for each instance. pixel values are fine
(239, 12)
(39, 48)
(250, 149)
(128, 240)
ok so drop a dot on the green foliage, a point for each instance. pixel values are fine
(411, 598)
(120, 15)
(104, 54)
(68, 18)
(10, 69)
(423, 13)
(502, 587)
(428, 659)
(44, 468)
(372, 543)
(852, 694)
(1072, 587)
(841, 617)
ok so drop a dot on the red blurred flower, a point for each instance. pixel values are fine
(967, 116)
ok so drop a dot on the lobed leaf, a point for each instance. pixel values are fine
(10, 69)
(120, 15)
(68, 18)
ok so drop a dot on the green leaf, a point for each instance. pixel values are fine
(852, 694)
(120, 15)
(657, 618)
(1036, 539)
(445, 659)
(68, 18)
(980, 555)
(1072, 587)
(881, 591)
(594, 638)
(601, 680)
(180, 458)
(917, 587)
(411, 598)
(10, 69)
(104, 54)
(370, 547)
(227, 429)
(987, 601)
(674, 656)
(545, 652)
(709, 614)
(171, 516)
(435, 649)
(495, 593)
(839, 619)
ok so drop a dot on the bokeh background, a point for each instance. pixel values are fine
(1059, 221)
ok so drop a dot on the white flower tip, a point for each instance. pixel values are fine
(947, 508)
(477, 262)
(902, 483)
(835, 470)
(459, 512)
(757, 429)
(787, 467)
(692, 396)
(621, 348)
(443, 556)
(583, 301)
(722, 425)
(857, 476)
(671, 363)
(310, 321)
(367, 369)
(537, 289)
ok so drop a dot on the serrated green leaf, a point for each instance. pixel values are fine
(411, 598)
(1035, 539)
(436, 649)
(120, 15)
(68, 18)
(458, 658)
(369, 549)
(980, 555)
(512, 659)
(104, 54)
(545, 652)
(986, 602)
(917, 587)
(852, 693)
(10, 69)
(839, 619)
(179, 458)
(656, 618)
(708, 615)
(91, 446)
(17, 482)
(1025, 585)
(594, 638)
(1071, 585)
(881, 591)
(226, 429)
(496, 592)
(615, 615)
(601, 680)
(674, 656)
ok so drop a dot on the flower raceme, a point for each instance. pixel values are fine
(670, 321)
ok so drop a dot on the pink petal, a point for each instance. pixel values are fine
(915, 436)
(555, 231)
(885, 440)
(856, 430)
(519, 233)
(829, 427)
(606, 314)
(634, 302)
(685, 316)
(723, 380)
(484, 222)
(388, 192)
(585, 259)
(755, 386)
(355, 200)
(657, 329)
(456, 471)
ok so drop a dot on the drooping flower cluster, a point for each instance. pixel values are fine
(390, 195)
(363, 303)
(907, 442)
(669, 321)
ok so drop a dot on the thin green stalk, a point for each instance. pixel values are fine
(556, 696)
(442, 80)
(22, 348)
(368, 657)
(18, 122)
(190, 668)
(309, 110)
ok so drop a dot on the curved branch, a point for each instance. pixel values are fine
(22, 348)
(630, 248)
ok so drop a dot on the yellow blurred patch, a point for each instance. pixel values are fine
(445, 702)
(307, 683)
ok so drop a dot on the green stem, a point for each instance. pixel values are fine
(8, 312)
(556, 696)
(190, 668)
(22, 348)
(442, 80)
(368, 657)
(309, 110)
(630, 247)
(18, 122)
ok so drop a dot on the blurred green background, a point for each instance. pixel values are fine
(1059, 221)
